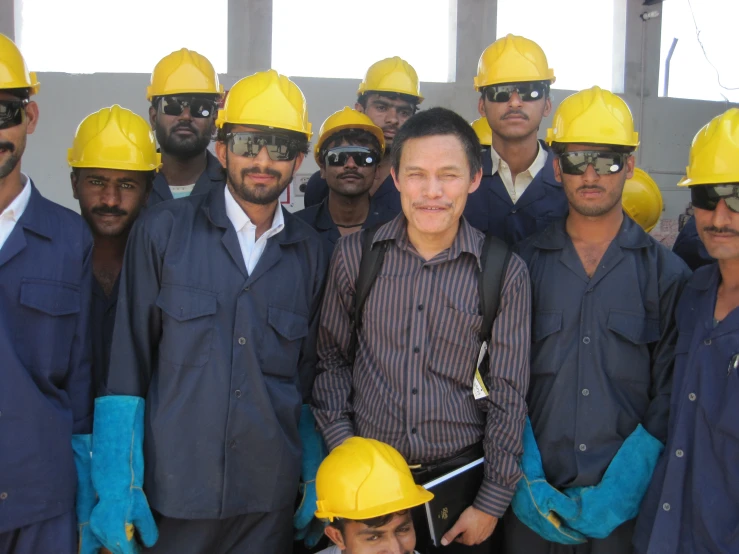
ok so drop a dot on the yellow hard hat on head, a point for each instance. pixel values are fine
(183, 71)
(714, 154)
(483, 131)
(347, 119)
(392, 75)
(642, 200)
(114, 138)
(266, 99)
(512, 59)
(593, 116)
(365, 478)
(13, 70)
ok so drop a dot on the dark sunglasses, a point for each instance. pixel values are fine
(707, 197)
(11, 113)
(603, 162)
(199, 107)
(279, 147)
(528, 92)
(363, 157)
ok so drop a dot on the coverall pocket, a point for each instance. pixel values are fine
(45, 332)
(546, 351)
(632, 355)
(283, 339)
(187, 324)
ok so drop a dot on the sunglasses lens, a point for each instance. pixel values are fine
(11, 113)
(362, 157)
(171, 105)
(531, 92)
(604, 163)
(199, 107)
(499, 93)
(706, 197)
(528, 92)
(202, 107)
(279, 148)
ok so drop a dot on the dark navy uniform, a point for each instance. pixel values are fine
(386, 197)
(45, 375)
(319, 218)
(491, 210)
(224, 360)
(692, 506)
(101, 328)
(690, 248)
(601, 359)
(213, 176)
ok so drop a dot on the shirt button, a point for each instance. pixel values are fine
(414, 391)
(246, 289)
(3, 495)
(232, 444)
(679, 453)
(583, 448)
(586, 340)
(416, 350)
(427, 267)
(707, 342)
(585, 392)
(413, 431)
(420, 307)
(242, 341)
(513, 211)
(666, 507)
(237, 392)
(691, 397)
(589, 290)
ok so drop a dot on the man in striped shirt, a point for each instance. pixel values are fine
(411, 382)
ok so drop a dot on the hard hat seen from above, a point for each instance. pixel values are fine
(183, 72)
(714, 154)
(114, 138)
(392, 75)
(13, 70)
(512, 59)
(642, 200)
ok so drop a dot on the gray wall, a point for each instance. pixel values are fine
(667, 125)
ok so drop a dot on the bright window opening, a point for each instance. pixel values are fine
(703, 63)
(110, 36)
(336, 38)
(584, 40)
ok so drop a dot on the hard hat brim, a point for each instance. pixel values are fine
(392, 507)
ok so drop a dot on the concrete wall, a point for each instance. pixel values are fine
(667, 125)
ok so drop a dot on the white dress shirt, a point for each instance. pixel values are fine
(251, 247)
(14, 211)
(523, 179)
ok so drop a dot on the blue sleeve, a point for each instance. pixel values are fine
(138, 323)
(315, 190)
(690, 248)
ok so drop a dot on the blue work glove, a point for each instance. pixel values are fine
(539, 505)
(314, 451)
(616, 499)
(86, 497)
(118, 476)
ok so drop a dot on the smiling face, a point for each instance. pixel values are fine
(13, 139)
(434, 180)
(397, 536)
(719, 231)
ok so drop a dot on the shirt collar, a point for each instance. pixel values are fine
(630, 235)
(15, 209)
(536, 166)
(239, 219)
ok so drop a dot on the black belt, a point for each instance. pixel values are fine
(423, 473)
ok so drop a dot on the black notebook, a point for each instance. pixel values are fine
(453, 492)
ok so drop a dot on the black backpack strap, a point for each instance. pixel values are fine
(494, 262)
(369, 269)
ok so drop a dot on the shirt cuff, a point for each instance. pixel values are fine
(492, 498)
(337, 432)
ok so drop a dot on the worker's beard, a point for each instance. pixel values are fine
(180, 147)
(258, 193)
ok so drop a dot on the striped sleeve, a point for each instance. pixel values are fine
(509, 372)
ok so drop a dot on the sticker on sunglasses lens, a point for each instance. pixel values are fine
(615, 168)
(534, 94)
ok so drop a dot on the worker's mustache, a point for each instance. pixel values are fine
(721, 230)
(9, 146)
(108, 210)
(591, 187)
(187, 126)
(511, 113)
(350, 173)
(264, 171)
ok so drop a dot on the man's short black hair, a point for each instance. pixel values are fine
(150, 176)
(372, 523)
(299, 138)
(439, 121)
(561, 147)
(359, 137)
(412, 100)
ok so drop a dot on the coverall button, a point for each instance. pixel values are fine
(513, 211)
(583, 448)
(585, 392)
(3, 495)
(679, 453)
(242, 341)
(232, 444)
(414, 391)
(237, 392)
(416, 350)
(666, 507)
(691, 397)
(707, 342)
(246, 289)
(413, 431)
(586, 340)
(420, 307)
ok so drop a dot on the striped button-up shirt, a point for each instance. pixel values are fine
(411, 384)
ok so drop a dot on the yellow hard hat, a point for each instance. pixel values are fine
(483, 131)
(593, 116)
(364, 478)
(714, 154)
(267, 99)
(114, 138)
(347, 119)
(642, 200)
(13, 70)
(183, 71)
(512, 59)
(392, 75)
